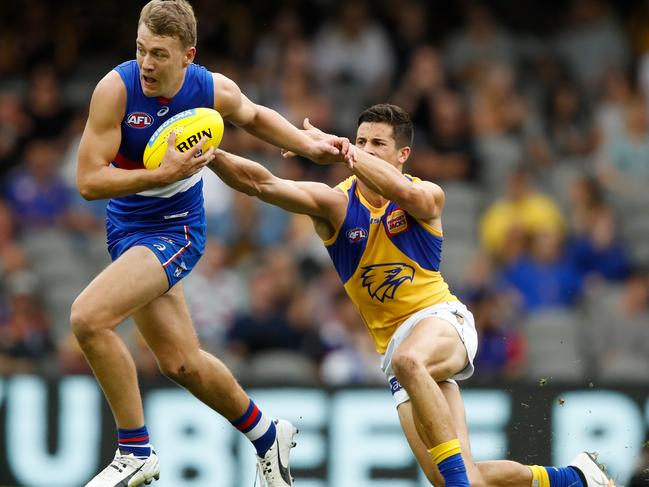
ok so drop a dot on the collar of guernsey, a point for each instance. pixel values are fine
(180, 202)
(388, 262)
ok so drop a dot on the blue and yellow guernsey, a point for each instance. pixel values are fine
(388, 262)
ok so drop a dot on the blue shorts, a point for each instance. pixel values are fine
(178, 247)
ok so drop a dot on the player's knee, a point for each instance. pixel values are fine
(407, 364)
(82, 321)
(181, 370)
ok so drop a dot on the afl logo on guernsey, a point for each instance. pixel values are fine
(139, 120)
(355, 235)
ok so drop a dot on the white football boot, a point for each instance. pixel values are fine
(126, 470)
(594, 473)
(273, 468)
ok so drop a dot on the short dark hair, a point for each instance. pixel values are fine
(170, 18)
(396, 117)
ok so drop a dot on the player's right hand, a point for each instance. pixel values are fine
(178, 165)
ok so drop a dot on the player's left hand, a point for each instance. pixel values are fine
(326, 148)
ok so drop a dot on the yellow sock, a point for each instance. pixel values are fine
(443, 451)
(540, 476)
(448, 458)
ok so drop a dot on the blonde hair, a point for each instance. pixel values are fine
(170, 18)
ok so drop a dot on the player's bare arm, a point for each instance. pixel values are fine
(96, 177)
(325, 205)
(423, 200)
(269, 125)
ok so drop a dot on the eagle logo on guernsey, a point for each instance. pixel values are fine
(139, 120)
(383, 280)
(356, 235)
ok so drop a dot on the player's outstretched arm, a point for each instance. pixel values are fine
(270, 126)
(306, 197)
(96, 178)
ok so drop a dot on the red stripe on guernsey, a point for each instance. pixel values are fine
(189, 243)
(164, 100)
(124, 163)
(255, 414)
(133, 440)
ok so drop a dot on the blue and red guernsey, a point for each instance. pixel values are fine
(181, 202)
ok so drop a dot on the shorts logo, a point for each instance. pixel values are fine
(160, 247)
(182, 267)
(395, 386)
(397, 222)
(139, 120)
(458, 317)
(355, 235)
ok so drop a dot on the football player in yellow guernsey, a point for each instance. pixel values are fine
(383, 231)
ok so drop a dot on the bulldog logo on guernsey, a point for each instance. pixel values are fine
(139, 120)
(397, 222)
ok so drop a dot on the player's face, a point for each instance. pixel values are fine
(377, 138)
(162, 62)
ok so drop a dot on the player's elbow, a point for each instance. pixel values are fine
(87, 190)
(417, 203)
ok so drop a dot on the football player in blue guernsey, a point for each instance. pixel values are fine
(156, 234)
(383, 231)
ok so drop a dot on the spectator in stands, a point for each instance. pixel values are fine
(272, 47)
(12, 256)
(15, 129)
(350, 356)
(617, 92)
(279, 314)
(624, 161)
(35, 191)
(568, 124)
(521, 213)
(482, 42)
(411, 29)
(353, 61)
(422, 79)
(595, 246)
(498, 117)
(215, 295)
(591, 43)
(450, 155)
(299, 99)
(24, 329)
(44, 104)
(501, 351)
(545, 277)
(619, 352)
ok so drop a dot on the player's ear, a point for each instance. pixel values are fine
(190, 54)
(404, 153)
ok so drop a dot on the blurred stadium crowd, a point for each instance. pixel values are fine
(533, 116)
